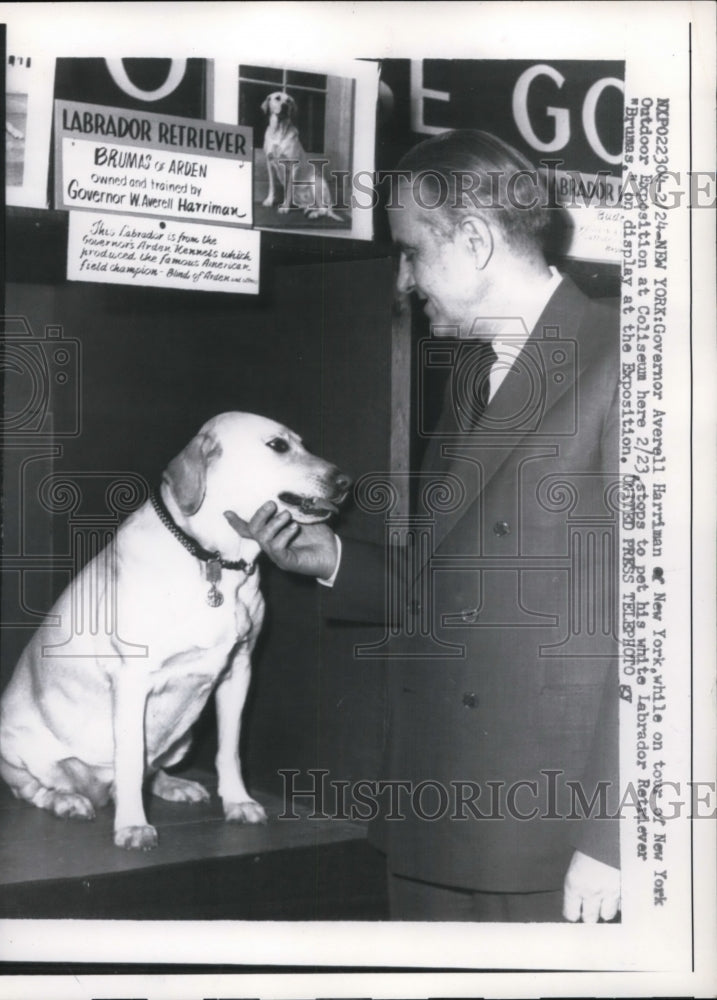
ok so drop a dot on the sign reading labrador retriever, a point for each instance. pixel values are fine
(79, 726)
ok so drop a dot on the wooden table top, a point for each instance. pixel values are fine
(37, 846)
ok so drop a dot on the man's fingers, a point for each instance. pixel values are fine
(592, 890)
(572, 903)
(609, 907)
(266, 525)
(283, 537)
(275, 533)
(238, 523)
(262, 517)
(591, 909)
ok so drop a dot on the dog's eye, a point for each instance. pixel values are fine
(278, 444)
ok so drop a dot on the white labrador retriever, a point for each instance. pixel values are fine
(287, 164)
(89, 715)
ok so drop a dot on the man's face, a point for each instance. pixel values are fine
(437, 266)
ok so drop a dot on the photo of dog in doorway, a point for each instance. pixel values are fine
(304, 127)
(288, 166)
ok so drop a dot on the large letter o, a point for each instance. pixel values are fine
(589, 107)
(177, 69)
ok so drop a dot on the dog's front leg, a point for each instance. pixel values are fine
(129, 696)
(239, 806)
(287, 182)
(271, 197)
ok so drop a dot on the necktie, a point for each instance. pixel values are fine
(471, 382)
(465, 393)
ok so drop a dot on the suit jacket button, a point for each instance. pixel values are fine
(501, 528)
(470, 700)
(469, 615)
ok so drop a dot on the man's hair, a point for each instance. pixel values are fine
(469, 172)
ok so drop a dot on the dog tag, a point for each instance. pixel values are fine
(214, 574)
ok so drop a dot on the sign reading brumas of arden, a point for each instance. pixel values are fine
(139, 163)
(156, 199)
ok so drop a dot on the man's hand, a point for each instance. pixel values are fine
(310, 549)
(592, 890)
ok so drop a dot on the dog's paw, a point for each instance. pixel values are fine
(268, 202)
(173, 789)
(70, 805)
(244, 812)
(284, 209)
(137, 838)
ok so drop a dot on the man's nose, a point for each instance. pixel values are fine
(404, 281)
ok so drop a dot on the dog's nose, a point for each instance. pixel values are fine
(342, 482)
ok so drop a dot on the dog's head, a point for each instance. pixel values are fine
(237, 461)
(280, 104)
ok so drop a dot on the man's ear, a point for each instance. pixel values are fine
(478, 238)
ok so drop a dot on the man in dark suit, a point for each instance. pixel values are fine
(503, 673)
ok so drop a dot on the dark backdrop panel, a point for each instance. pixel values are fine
(153, 365)
(340, 715)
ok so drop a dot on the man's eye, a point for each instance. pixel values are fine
(278, 444)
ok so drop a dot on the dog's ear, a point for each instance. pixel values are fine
(186, 475)
(265, 105)
(292, 108)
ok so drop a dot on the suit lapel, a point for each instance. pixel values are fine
(547, 367)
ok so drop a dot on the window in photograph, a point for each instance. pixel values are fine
(309, 90)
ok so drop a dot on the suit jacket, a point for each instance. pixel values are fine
(502, 669)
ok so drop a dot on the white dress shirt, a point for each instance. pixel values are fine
(514, 334)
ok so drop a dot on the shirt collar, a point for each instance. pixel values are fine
(510, 343)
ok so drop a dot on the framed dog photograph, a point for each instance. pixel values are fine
(313, 139)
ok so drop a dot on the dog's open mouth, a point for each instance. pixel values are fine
(315, 508)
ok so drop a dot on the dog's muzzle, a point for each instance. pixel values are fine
(320, 508)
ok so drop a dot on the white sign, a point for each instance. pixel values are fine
(124, 250)
(148, 164)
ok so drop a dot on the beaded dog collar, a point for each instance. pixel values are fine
(215, 564)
